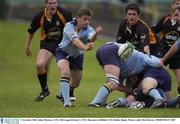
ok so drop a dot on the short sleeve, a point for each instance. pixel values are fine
(70, 32)
(35, 24)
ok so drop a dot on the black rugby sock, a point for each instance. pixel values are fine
(71, 91)
(43, 81)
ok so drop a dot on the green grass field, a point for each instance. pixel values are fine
(19, 85)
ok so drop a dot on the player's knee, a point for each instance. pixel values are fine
(39, 66)
(145, 91)
(65, 73)
(112, 82)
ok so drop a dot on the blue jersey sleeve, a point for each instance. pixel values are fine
(70, 32)
(91, 32)
(150, 60)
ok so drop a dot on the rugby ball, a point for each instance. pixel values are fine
(125, 50)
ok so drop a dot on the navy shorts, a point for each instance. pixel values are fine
(161, 75)
(50, 46)
(75, 63)
(107, 55)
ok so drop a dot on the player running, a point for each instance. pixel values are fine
(78, 36)
(51, 20)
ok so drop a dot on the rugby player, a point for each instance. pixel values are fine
(151, 80)
(78, 36)
(136, 100)
(51, 20)
(169, 27)
(174, 48)
(117, 69)
(135, 30)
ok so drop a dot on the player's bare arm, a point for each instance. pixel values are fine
(28, 50)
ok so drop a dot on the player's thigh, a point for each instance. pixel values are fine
(148, 83)
(43, 57)
(112, 69)
(76, 76)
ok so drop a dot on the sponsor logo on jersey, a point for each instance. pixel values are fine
(57, 23)
(171, 37)
(54, 33)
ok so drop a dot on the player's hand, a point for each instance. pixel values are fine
(89, 46)
(28, 51)
(99, 29)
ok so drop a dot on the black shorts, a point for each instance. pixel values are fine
(160, 49)
(174, 62)
(50, 46)
(157, 50)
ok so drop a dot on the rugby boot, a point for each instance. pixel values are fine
(113, 104)
(42, 95)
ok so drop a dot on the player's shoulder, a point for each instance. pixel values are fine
(89, 28)
(164, 19)
(70, 26)
(39, 14)
(64, 11)
(142, 25)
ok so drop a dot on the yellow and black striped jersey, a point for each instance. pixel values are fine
(168, 30)
(140, 35)
(51, 30)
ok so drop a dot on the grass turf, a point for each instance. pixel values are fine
(19, 85)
